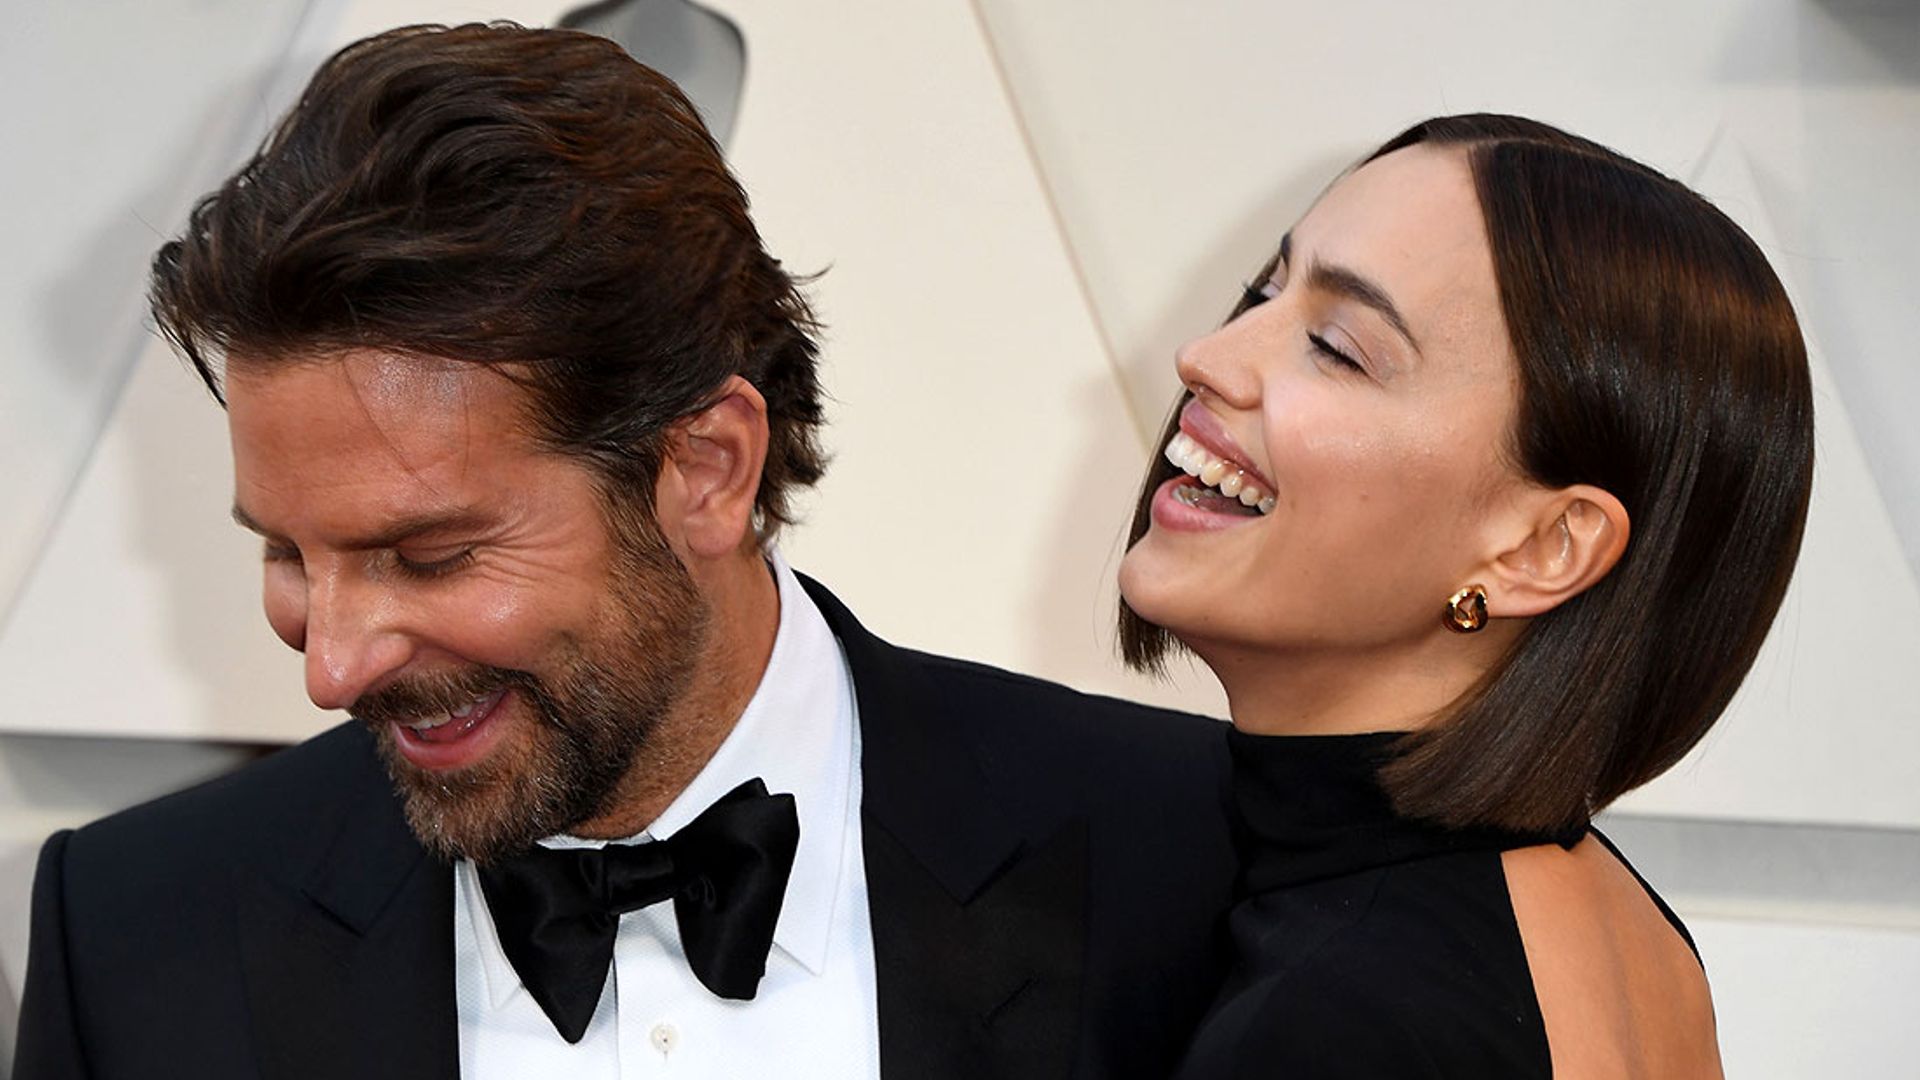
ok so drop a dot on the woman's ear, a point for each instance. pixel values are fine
(1574, 537)
(710, 478)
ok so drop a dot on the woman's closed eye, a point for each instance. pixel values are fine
(1326, 349)
(1253, 294)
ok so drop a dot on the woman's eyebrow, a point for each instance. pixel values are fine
(1343, 281)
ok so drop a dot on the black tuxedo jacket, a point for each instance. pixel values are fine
(1046, 872)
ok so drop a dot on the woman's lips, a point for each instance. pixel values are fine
(1171, 512)
(1202, 426)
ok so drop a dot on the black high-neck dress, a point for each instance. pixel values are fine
(1366, 944)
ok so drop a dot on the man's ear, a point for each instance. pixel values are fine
(1572, 538)
(710, 475)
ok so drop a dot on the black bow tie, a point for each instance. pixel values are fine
(557, 911)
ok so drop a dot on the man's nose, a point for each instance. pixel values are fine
(354, 643)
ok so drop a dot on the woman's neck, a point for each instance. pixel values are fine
(1401, 686)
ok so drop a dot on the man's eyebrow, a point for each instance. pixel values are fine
(245, 520)
(1341, 281)
(396, 533)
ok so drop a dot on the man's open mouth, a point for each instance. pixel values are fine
(456, 722)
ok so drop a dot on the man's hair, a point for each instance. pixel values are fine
(535, 200)
(1659, 359)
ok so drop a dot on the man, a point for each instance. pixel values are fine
(518, 403)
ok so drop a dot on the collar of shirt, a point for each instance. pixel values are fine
(797, 734)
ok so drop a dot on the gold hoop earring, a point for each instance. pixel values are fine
(1467, 610)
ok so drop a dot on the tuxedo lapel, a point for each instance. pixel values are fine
(349, 966)
(978, 902)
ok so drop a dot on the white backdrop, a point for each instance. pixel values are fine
(1025, 207)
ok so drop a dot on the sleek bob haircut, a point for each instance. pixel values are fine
(536, 200)
(1659, 359)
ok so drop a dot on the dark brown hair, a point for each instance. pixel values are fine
(504, 196)
(1659, 359)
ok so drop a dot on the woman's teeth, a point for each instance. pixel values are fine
(1231, 481)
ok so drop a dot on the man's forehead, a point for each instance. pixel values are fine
(370, 435)
(375, 380)
(377, 396)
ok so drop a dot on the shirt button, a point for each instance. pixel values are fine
(665, 1037)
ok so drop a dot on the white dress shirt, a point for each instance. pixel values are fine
(815, 1014)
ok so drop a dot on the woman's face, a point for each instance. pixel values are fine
(1366, 403)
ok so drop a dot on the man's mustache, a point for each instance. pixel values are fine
(415, 697)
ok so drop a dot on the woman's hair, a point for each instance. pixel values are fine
(1659, 359)
(529, 198)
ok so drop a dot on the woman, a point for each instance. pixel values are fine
(1479, 507)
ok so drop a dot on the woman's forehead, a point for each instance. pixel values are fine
(1398, 213)
(1411, 223)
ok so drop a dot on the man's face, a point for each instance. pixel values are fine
(458, 588)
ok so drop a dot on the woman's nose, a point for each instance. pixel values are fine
(1220, 364)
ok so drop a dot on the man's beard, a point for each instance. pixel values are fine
(592, 716)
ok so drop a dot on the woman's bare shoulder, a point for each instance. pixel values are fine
(1621, 992)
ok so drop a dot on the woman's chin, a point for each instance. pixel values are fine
(1149, 583)
(1136, 578)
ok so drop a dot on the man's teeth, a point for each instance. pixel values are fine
(428, 723)
(1231, 481)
